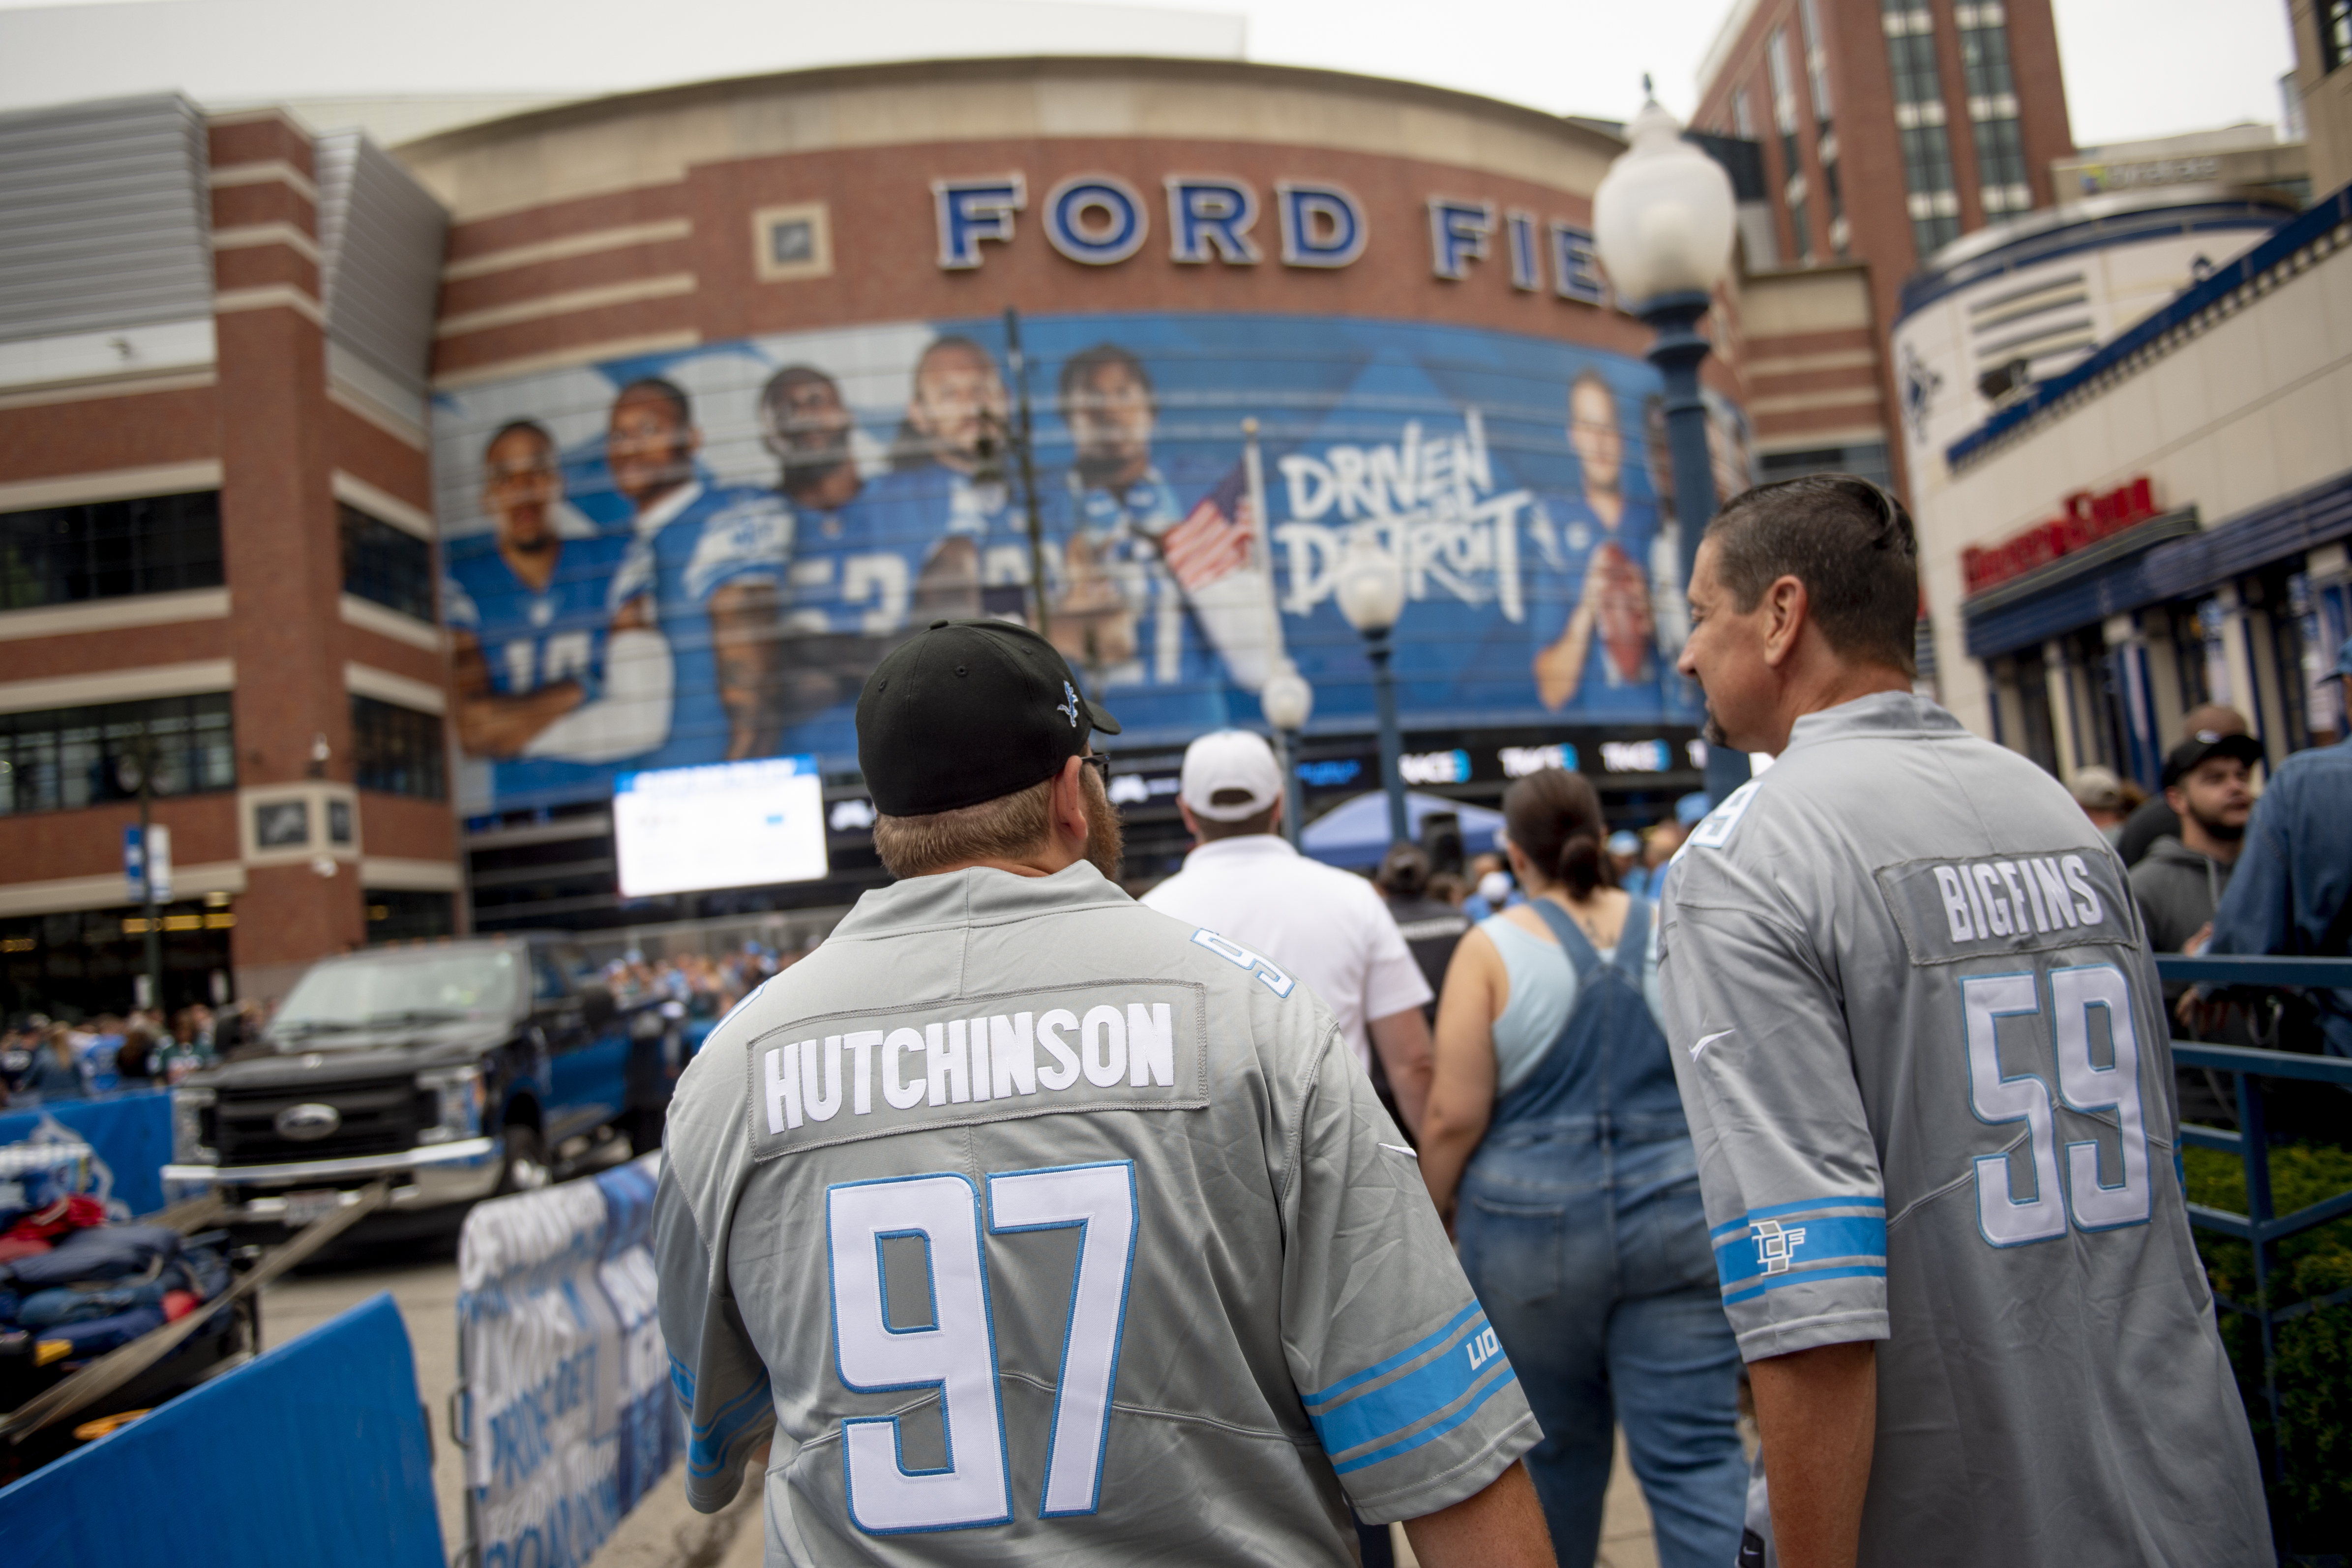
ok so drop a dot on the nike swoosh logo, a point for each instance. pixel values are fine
(1711, 1039)
(1401, 1149)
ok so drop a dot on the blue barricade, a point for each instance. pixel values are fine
(314, 1452)
(567, 1417)
(130, 1138)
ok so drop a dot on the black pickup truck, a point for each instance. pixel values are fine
(458, 1070)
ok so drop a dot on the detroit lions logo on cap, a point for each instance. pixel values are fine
(1071, 707)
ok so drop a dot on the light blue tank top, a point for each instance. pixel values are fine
(1543, 992)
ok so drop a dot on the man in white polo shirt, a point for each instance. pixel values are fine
(1329, 928)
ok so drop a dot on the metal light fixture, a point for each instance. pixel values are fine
(1663, 221)
(1286, 700)
(1371, 597)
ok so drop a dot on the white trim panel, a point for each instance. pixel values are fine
(114, 614)
(110, 485)
(369, 616)
(61, 894)
(119, 686)
(666, 286)
(276, 170)
(354, 491)
(415, 877)
(126, 350)
(272, 297)
(246, 236)
(564, 249)
(367, 680)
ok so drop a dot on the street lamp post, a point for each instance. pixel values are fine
(137, 770)
(1287, 699)
(1663, 220)
(1371, 597)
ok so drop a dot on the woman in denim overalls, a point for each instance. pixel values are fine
(1578, 1213)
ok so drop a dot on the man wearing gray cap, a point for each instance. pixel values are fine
(1244, 881)
(1032, 1226)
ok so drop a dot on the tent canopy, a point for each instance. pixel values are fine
(1355, 832)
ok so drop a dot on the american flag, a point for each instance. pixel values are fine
(1214, 539)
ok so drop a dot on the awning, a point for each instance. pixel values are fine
(1355, 832)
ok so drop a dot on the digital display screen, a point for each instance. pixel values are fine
(731, 824)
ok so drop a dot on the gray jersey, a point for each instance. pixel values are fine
(1041, 1227)
(1925, 1061)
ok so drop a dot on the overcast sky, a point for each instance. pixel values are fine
(2134, 68)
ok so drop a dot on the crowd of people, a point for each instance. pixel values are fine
(43, 1059)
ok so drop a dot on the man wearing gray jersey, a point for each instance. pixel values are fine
(1923, 1054)
(1036, 1226)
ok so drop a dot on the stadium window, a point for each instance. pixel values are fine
(58, 759)
(1868, 460)
(405, 915)
(398, 750)
(1817, 64)
(386, 565)
(2335, 33)
(109, 550)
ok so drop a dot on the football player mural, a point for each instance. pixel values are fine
(700, 555)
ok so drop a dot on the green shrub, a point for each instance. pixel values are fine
(2312, 1503)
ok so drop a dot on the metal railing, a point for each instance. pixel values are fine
(2261, 1227)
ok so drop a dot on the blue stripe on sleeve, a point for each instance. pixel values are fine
(1783, 1248)
(1415, 1396)
(1860, 1201)
(708, 1442)
(1432, 1433)
(1806, 1277)
(1411, 1353)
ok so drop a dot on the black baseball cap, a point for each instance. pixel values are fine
(966, 711)
(2206, 743)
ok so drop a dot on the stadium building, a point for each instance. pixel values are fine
(429, 509)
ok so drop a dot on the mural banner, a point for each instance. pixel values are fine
(567, 1415)
(698, 555)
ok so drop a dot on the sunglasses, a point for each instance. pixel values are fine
(1101, 765)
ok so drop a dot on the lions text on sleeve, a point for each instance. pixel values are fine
(1086, 1264)
(1926, 1066)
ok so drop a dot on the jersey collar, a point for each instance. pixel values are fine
(1879, 713)
(664, 512)
(976, 897)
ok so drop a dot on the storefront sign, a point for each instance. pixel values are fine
(2087, 519)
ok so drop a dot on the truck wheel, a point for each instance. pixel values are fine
(526, 1167)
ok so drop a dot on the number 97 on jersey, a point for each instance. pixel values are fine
(948, 1343)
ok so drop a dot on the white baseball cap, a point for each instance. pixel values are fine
(1230, 759)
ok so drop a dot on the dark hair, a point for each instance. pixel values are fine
(662, 387)
(1848, 541)
(1554, 818)
(520, 427)
(1405, 871)
(1080, 367)
(131, 1060)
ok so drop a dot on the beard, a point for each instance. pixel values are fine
(1714, 733)
(1106, 835)
(2224, 832)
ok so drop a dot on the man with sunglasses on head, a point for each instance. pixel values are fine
(1030, 1224)
(1924, 1055)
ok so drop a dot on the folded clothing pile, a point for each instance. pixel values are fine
(100, 1286)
